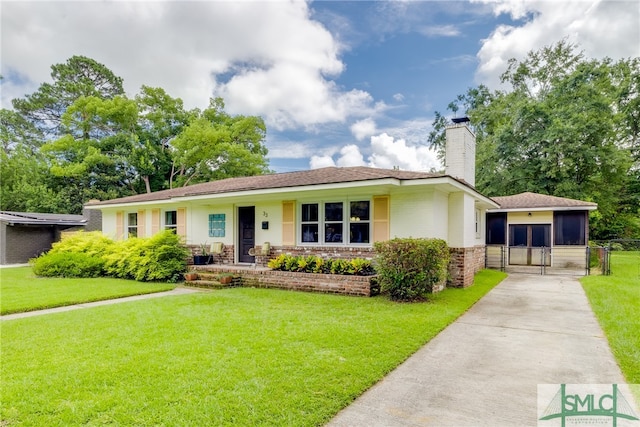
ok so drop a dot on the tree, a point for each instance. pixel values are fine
(215, 145)
(160, 119)
(79, 76)
(562, 129)
(80, 138)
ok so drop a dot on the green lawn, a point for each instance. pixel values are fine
(21, 291)
(237, 356)
(615, 300)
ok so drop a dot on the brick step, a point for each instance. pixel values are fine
(210, 284)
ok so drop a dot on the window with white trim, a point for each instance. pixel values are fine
(310, 224)
(335, 222)
(171, 221)
(132, 224)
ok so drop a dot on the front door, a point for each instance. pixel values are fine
(526, 242)
(246, 233)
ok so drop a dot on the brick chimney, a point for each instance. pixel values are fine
(460, 157)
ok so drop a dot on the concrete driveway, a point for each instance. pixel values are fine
(484, 369)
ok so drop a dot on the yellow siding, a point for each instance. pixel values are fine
(536, 217)
(288, 223)
(380, 218)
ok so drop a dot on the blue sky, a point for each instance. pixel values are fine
(338, 83)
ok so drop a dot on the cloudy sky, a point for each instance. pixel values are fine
(338, 83)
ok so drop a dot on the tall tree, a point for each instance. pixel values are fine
(79, 76)
(160, 119)
(562, 129)
(216, 145)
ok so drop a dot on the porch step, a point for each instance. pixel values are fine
(209, 284)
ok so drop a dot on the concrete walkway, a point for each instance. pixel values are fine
(176, 291)
(484, 369)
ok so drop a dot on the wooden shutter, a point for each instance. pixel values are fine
(142, 223)
(288, 223)
(380, 218)
(181, 229)
(155, 221)
(119, 225)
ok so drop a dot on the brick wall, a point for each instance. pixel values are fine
(226, 257)
(464, 264)
(326, 283)
(324, 251)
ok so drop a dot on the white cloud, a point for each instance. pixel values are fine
(363, 128)
(440, 31)
(386, 153)
(389, 152)
(265, 58)
(601, 28)
(318, 162)
(398, 97)
(350, 156)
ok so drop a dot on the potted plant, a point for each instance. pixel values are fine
(203, 257)
(190, 276)
(225, 278)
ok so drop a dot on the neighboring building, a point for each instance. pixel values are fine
(25, 235)
(530, 229)
(330, 211)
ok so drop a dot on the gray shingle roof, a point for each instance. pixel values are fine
(330, 175)
(534, 200)
(36, 218)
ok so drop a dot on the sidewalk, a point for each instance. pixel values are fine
(484, 369)
(176, 291)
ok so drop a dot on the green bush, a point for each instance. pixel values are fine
(93, 243)
(409, 268)
(315, 264)
(72, 264)
(162, 257)
(158, 258)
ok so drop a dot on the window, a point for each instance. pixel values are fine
(478, 222)
(334, 226)
(333, 222)
(310, 223)
(496, 228)
(569, 228)
(359, 222)
(132, 225)
(217, 223)
(171, 220)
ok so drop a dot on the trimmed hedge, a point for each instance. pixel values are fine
(162, 257)
(316, 264)
(409, 268)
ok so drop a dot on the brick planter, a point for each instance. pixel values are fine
(310, 282)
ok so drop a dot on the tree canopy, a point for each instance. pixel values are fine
(80, 138)
(566, 126)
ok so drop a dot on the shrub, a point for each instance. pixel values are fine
(409, 268)
(277, 263)
(159, 258)
(73, 264)
(315, 264)
(93, 243)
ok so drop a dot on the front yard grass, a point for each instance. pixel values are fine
(21, 290)
(238, 356)
(615, 300)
